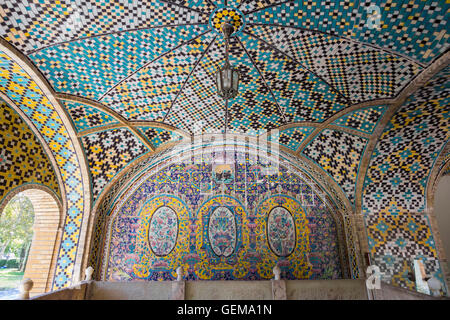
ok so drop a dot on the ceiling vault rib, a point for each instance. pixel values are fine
(100, 129)
(115, 32)
(184, 7)
(187, 78)
(241, 3)
(212, 3)
(269, 6)
(368, 151)
(150, 62)
(265, 82)
(122, 121)
(294, 60)
(92, 103)
(341, 37)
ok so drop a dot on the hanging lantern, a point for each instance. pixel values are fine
(227, 78)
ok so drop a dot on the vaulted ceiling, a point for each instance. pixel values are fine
(358, 90)
(136, 75)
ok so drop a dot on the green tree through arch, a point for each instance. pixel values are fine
(16, 234)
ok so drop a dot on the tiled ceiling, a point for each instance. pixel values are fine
(156, 60)
(144, 71)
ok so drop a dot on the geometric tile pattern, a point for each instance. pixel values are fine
(254, 109)
(87, 117)
(395, 240)
(359, 72)
(91, 66)
(158, 136)
(34, 25)
(301, 95)
(108, 152)
(148, 94)
(416, 30)
(22, 158)
(338, 153)
(397, 176)
(445, 161)
(292, 137)
(198, 107)
(364, 120)
(407, 149)
(25, 93)
(156, 61)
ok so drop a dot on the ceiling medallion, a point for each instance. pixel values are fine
(229, 15)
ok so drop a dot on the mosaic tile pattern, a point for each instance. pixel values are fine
(34, 25)
(198, 5)
(22, 158)
(139, 60)
(417, 30)
(314, 256)
(149, 93)
(108, 152)
(24, 92)
(394, 200)
(199, 108)
(395, 240)
(339, 154)
(301, 95)
(292, 137)
(158, 136)
(87, 117)
(91, 67)
(254, 110)
(445, 162)
(358, 72)
(364, 120)
(402, 159)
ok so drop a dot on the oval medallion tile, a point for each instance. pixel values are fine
(281, 231)
(163, 231)
(222, 231)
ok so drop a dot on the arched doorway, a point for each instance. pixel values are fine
(16, 232)
(442, 214)
(45, 240)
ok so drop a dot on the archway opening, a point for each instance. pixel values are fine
(442, 214)
(40, 241)
(16, 235)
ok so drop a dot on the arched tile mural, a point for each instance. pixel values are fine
(236, 228)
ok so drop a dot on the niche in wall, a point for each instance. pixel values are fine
(224, 222)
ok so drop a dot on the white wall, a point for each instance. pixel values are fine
(442, 213)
